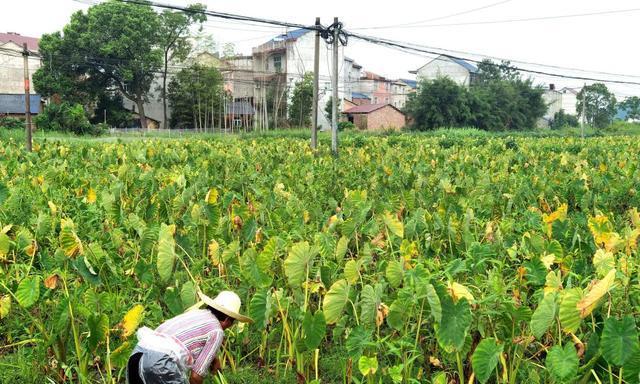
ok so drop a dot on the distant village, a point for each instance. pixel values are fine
(368, 100)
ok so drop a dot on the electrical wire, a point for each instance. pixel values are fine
(437, 18)
(504, 21)
(408, 46)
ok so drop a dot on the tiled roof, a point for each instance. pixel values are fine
(412, 83)
(14, 104)
(466, 65)
(367, 108)
(32, 42)
(291, 35)
(358, 95)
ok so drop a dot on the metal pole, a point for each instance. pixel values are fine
(334, 104)
(27, 97)
(316, 88)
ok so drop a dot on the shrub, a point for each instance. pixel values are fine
(346, 126)
(65, 117)
(562, 120)
(11, 122)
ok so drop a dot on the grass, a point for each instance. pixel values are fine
(618, 128)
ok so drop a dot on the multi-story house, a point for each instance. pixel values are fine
(12, 91)
(281, 62)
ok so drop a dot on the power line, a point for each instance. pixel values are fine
(408, 46)
(503, 21)
(439, 17)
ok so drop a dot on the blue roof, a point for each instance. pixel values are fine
(412, 83)
(358, 95)
(291, 35)
(14, 104)
(466, 65)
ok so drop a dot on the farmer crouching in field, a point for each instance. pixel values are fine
(190, 341)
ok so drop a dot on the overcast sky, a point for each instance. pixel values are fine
(599, 43)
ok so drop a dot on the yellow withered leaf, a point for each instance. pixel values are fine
(214, 252)
(548, 260)
(634, 215)
(69, 241)
(559, 214)
(52, 207)
(212, 196)
(588, 303)
(5, 306)
(381, 313)
(458, 291)
(553, 282)
(51, 282)
(600, 228)
(132, 320)
(91, 196)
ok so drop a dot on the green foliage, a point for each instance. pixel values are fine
(456, 319)
(498, 99)
(65, 117)
(561, 119)
(485, 359)
(114, 45)
(418, 254)
(631, 105)
(619, 340)
(111, 107)
(346, 126)
(11, 122)
(597, 104)
(301, 104)
(439, 103)
(562, 362)
(196, 97)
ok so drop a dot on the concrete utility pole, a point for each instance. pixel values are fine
(334, 104)
(27, 97)
(584, 110)
(316, 88)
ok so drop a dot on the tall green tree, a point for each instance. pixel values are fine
(112, 45)
(173, 39)
(632, 106)
(597, 104)
(302, 102)
(439, 103)
(196, 97)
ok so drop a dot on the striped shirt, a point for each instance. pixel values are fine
(200, 332)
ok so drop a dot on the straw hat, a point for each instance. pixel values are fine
(228, 303)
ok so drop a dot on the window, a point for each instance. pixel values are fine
(277, 63)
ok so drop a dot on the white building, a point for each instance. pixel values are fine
(12, 100)
(285, 59)
(564, 99)
(457, 70)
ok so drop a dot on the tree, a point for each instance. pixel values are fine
(488, 71)
(228, 50)
(439, 103)
(302, 102)
(196, 97)
(173, 39)
(596, 104)
(328, 109)
(110, 106)
(562, 119)
(111, 46)
(632, 106)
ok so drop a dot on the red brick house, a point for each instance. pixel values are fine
(376, 117)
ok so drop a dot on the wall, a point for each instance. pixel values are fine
(569, 100)
(444, 67)
(386, 118)
(12, 69)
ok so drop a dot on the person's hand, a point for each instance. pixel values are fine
(215, 365)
